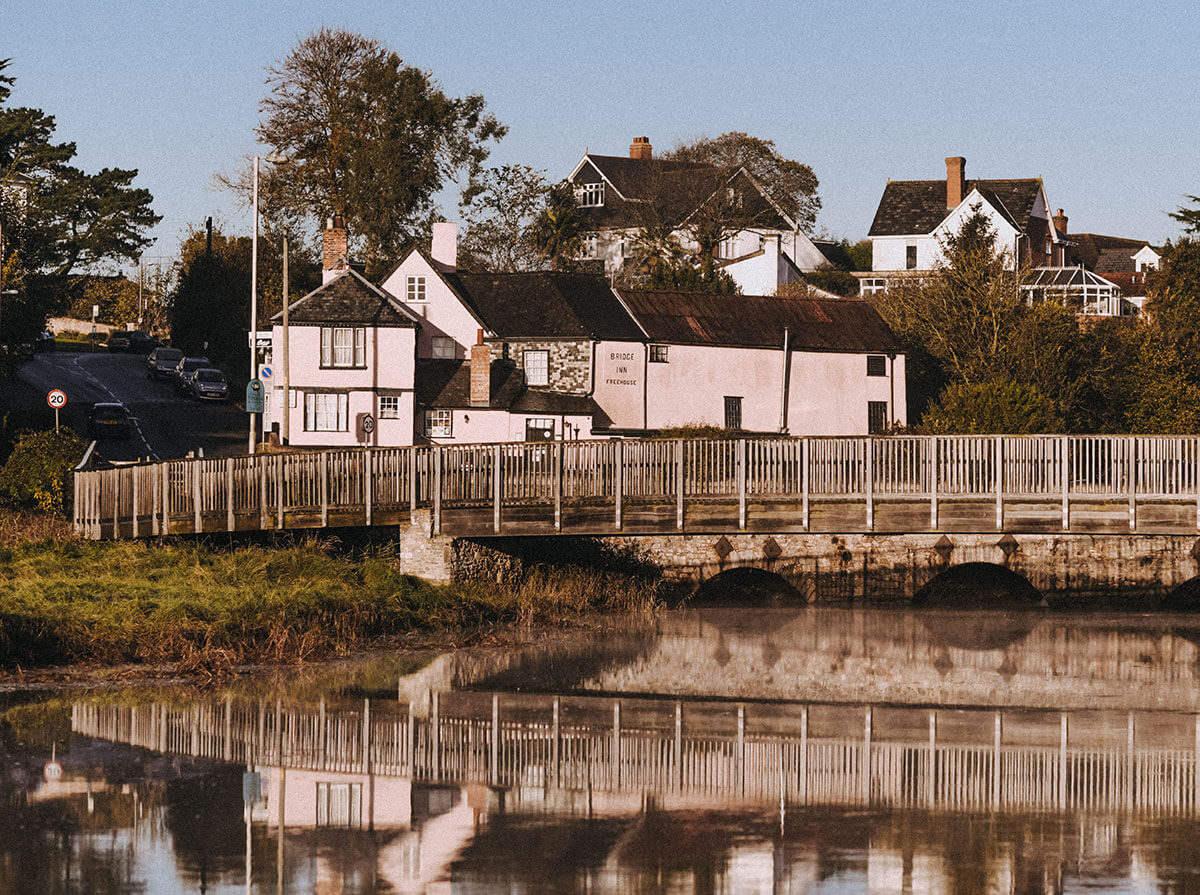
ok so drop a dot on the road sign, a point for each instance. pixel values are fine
(56, 398)
(254, 397)
(368, 423)
(265, 372)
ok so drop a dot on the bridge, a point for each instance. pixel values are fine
(734, 498)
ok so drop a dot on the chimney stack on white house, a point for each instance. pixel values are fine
(481, 373)
(335, 254)
(641, 149)
(444, 248)
(956, 181)
(1060, 222)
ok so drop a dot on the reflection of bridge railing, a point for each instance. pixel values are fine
(809, 755)
(826, 484)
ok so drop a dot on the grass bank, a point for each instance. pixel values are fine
(207, 609)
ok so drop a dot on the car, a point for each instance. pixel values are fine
(209, 384)
(119, 340)
(108, 420)
(185, 369)
(141, 343)
(162, 361)
(44, 341)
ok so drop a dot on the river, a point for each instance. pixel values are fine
(765, 750)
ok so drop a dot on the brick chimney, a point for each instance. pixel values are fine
(641, 149)
(956, 181)
(481, 373)
(335, 256)
(1060, 222)
(444, 247)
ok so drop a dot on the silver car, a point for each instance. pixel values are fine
(210, 385)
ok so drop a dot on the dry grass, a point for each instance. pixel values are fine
(30, 526)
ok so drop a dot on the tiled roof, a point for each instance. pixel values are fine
(1105, 254)
(348, 299)
(546, 304)
(447, 384)
(912, 207)
(753, 321)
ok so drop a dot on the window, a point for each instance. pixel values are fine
(876, 365)
(591, 245)
(326, 412)
(877, 417)
(439, 424)
(910, 257)
(389, 407)
(414, 289)
(590, 195)
(537, 367)
(339, 804)
(872, 285)
(443, 346)
(658, 354)
(733, 413)
(539, 429)
(344, 346)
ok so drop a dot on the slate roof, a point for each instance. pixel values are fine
(754, 321)
(447, 384)
(912, 207)
(348, 299)
(546, 304)
(1105, 254)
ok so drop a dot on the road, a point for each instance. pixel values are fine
(165, 424)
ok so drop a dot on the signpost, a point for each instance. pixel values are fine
(254, 397)
(57, 399)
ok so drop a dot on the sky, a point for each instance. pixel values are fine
(1099, 99)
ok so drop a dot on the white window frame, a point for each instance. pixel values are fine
(541, 369)
(590, 195)
(326, 412)
(343, 348)
(439, 423)
(443, 346)
(591, 245)
(414, 289)
(389, 407)
(873, 285)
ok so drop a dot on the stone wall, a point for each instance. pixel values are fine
(570, 362)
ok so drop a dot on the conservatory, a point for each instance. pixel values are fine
(1088, 293)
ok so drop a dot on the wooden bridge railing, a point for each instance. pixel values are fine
(600, 486)
(974, 765)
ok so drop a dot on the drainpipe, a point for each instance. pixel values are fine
(891, 389)
(783, 404)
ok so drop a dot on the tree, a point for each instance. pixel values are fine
(686, 276)
(1189, 217)
(557, 231)
(498, 219)
(370, 139)
(57, 220)
(987, 408)
(210, 306)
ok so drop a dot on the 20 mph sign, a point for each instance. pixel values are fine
(56, 398)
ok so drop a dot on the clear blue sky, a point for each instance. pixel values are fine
(1100, 99)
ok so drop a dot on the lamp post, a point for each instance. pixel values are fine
(287, 378)
(273, 158)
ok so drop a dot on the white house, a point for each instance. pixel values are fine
(614, 193)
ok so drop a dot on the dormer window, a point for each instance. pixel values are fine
(590, 195)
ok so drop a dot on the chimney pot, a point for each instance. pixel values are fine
(481, 373)
(335, 254)
(956, 181)
(641, 149)
(444, 246)
(1060, 222)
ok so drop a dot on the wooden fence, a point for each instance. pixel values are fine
(1044, 766)
(896, 483)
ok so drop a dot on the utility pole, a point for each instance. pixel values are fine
(287, 379)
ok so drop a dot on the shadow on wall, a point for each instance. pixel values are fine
(747, 586)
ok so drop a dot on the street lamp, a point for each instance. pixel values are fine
(274, 158)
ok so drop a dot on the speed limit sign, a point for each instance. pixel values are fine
(56, 398)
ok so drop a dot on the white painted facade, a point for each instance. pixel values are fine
(418, 285)
(890, 253)
(478, 425)
(1146, 259)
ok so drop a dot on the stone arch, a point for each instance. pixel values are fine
(746, 584)
(978, 585)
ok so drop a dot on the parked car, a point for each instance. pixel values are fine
(108, 420)
(118, 340)
(210, 384)
(162, 361)
(186, 369)
(44, 341)
(141, 343)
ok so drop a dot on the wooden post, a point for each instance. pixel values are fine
(436, 527)
(741, 750)
(412, 486)
(803, 769)
(323, 459)
(865, 783)
(931, 777)
(804, 465)
(369, 483)
(261, 463)
(227, 751)
(934, 474)
(559, 448)
(619, 480)
(678, 754)
(869, 482)
(412, 740)
(999, 448)
(322, 735)
(680, 483)
(435, 762)
(134, 471)
(196, 502)
(1131, 464)
(996, 764)
(1129, 767)
(366, 736)
(156, 509)
(280, 488)
(556, 754)
(497, 486)
(1065, 466)
(741, 483)
(116, 480)
(494, 769)
(229, 522)
(1062, 762)
(615, 768)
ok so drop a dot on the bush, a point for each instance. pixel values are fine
(38, 472)
(989, 408)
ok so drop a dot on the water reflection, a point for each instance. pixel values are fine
(592, 770)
